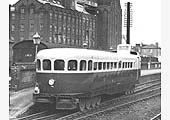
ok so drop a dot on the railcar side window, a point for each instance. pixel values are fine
(72, 65)
(38, 64)
(90, 65)
(95, 66)
(130, 64)
(46, 64)
(111, 65)
(119, 64)
(123, 64)
(100, 65)
(115, 64)
(108, 65)
(104, 65)
(82, 65)
(59, 65)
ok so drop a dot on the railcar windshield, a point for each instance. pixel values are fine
(72, 65)
(59, 65)
(46, 64)
(82, 65)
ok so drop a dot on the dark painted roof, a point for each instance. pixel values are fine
(151, 47)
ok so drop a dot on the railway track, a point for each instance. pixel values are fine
(32, 116)
(157, 117)
(147, 93)
(45, 115)
(149, 88)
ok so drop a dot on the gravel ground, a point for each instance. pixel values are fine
(139, 111)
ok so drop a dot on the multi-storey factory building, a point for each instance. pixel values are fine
(98, 23)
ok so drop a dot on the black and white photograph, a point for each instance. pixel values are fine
(85, 59)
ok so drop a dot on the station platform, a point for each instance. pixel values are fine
(151, 71)
(21, 100)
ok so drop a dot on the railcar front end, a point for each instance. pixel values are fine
(81, 79)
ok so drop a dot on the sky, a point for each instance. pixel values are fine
(146, 25)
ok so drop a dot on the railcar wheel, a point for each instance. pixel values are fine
(88, 104)
(132, 91)
(82, 106)
(98, 101)
(93, 103)
(127, 92)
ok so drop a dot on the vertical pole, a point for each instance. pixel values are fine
(36, 48)
(128, 23)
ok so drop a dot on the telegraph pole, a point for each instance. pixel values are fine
(128, 21)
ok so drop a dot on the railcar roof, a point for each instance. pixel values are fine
(75, 52)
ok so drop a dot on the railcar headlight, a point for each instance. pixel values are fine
(51, 82)
(36, 90)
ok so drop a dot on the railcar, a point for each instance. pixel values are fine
(72, 77)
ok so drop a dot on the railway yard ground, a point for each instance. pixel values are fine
(142, 110)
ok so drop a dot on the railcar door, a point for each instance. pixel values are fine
(138, 66)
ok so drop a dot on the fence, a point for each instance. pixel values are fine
(150, 65)
(22, 76)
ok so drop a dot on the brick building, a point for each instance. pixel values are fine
(55, 23)
(69, 22)
(109, 24)
(148, 50)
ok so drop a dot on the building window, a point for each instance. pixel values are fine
(72, 41)
(55, 39)
(68, 21)
(64, 21)
(59, 29)
(21, 38)
(51, 16)
(12, 38)
(51, 27)
(22, 13)
(68, 40)
(41, 15)
(64, 39)
(21, 27)
(59, 39)
(55, 28)
(13, 16)
(50, 39)
(60, 18)
(55, 16)
(41, 26)
(13, 28)
(31, 11)
(31, 27)
(22, 10)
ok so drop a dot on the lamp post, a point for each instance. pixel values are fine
(36, 41)
(85, 45)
